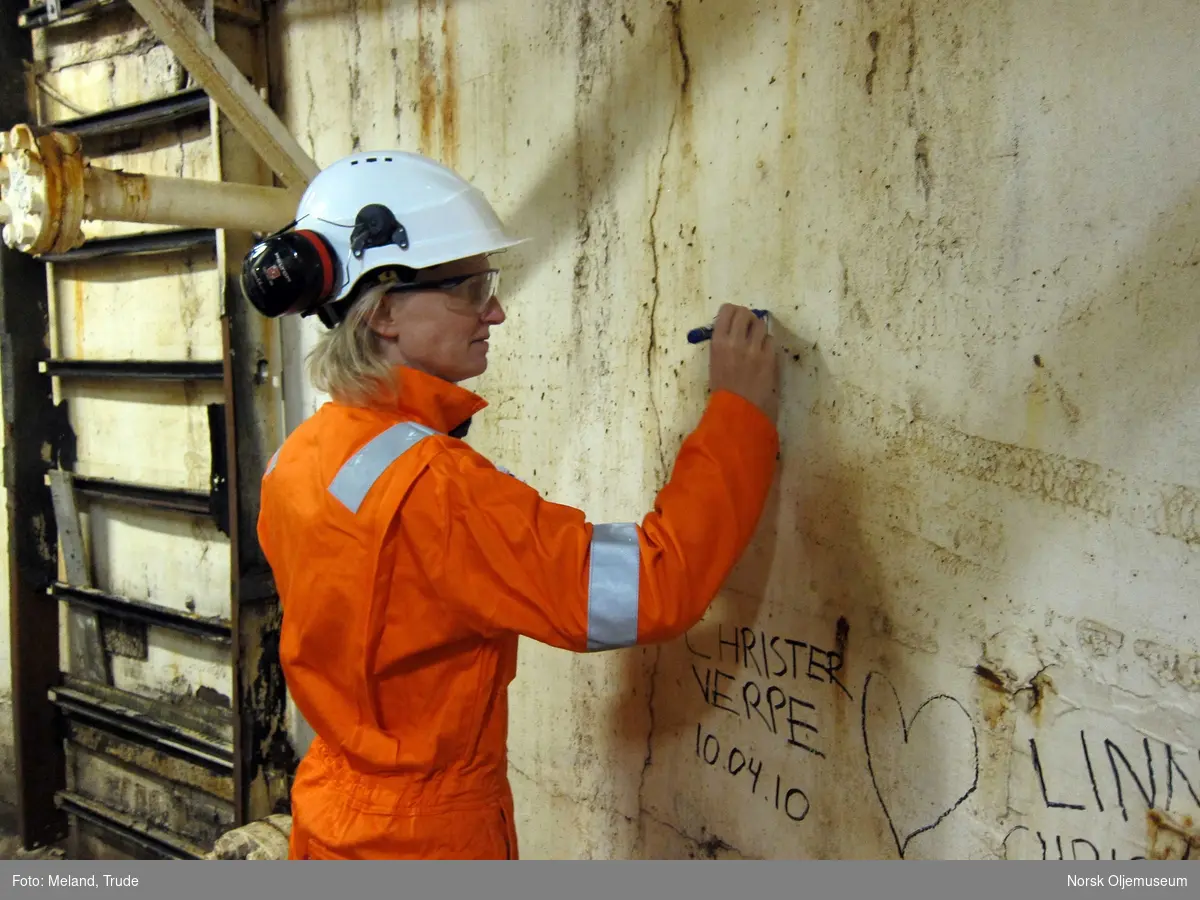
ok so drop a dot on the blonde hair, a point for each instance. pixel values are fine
(348, 362)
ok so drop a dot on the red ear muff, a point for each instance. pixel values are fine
(289, 273)
(325, 254)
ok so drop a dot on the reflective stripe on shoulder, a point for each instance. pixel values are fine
(500, 468)
(360, 472)
(271, 462)
(613, 586)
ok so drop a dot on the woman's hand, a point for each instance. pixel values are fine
(743, 359)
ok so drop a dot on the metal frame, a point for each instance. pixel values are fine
(173, 499)
(160, 843)
(150, 114)
(212, 629)
(244, 430)
(265, 761)
(43, 15)
(135, 369)
(169, 241)
(32, 422)
(214, 504)
(252, 145)
(125, 721)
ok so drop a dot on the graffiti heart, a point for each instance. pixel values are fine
(922, 768)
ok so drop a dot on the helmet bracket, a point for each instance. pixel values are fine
(376, 226)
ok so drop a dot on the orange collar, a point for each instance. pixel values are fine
(433, 401)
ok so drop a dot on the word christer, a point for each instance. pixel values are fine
(791, 800)
(777, 709)
(750, 648)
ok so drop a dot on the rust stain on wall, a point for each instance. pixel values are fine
(437, 86)
(79, 320)
(449, 93)
(994, 700)
(426, 75)
(1039, 686)
(1170, 838)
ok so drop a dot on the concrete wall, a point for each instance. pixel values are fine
(979, 230)
(978, 225)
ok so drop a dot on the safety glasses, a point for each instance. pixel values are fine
(464, 293)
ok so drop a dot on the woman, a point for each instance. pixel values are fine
(408, 564)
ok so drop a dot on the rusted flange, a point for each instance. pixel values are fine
(41, 190)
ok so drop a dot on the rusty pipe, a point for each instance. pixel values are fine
(47, 190)
(186, 202)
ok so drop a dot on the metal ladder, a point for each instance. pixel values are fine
(230, 765)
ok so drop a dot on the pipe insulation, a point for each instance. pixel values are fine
(186, 202)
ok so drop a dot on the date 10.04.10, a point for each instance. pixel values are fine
(791, 801)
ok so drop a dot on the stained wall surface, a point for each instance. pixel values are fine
(968, 626)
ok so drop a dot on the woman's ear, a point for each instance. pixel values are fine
(383, 320)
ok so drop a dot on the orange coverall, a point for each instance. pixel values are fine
(407, 566)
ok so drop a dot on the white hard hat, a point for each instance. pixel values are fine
(367, 211)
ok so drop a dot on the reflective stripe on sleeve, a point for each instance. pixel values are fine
(271, 463)
(360, 472)
(613, 586)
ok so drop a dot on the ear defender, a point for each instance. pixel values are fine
(289, 273)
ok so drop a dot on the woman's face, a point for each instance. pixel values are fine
(441, 331)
